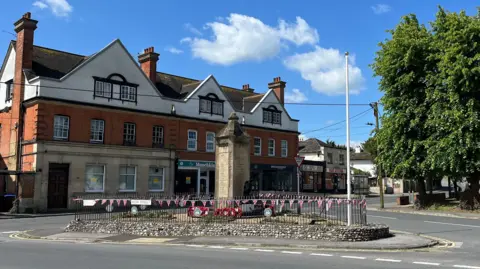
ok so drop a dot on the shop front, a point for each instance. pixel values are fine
(195, 177)
(268, 177)
(312, 176)
(335, 180)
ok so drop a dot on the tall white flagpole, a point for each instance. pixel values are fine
(349, 180)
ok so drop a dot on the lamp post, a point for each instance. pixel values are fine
(349, 179)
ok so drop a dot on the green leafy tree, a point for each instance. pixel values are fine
(371, 147)
(403, 65)
(454, 147)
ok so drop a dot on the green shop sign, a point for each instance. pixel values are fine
(183, 163)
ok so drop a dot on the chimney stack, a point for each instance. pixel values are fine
(278, 86)
(148, 62)
(247, 88)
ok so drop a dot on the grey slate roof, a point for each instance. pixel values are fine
(361, 156)
(56, 64)
(311, 145)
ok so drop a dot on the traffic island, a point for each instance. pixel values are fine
(353, 233)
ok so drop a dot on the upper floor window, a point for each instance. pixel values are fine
(272, 115)
(157, 137)
(284, 148)
(257, 146)
(342, 159)
(103, 89)
(211, 104)
(210, 146)
(9, 90)
(129, 133)
(97, 129)
(271, 147)
(115, 87)
(61, 126)
(192, 140)
(329, 158)
(128, 93)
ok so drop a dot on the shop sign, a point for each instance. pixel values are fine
(336, 170)
(311, 168)
(183, 163)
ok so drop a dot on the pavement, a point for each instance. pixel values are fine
(398, 241)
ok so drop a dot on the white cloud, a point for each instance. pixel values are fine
(325, 69)
(381, 8)
(186, 40)
(296, 96)
(192, 29)
(174, 50)
(302, 137)
(59, 8)
(40, 5)
(244, 38)
(329, 122)
(354, 144)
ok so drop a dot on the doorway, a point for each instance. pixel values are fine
(186, 181)
(58, 186)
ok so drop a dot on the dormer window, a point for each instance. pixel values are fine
(211, 104)
(9, 91)
(272, 115)
(115, 87)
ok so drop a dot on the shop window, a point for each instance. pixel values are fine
(257, 146)
(210, 146)
(128, 177)
(156, 179)
(94, 178)
(284, 148)
(271, 147)
(192, 140)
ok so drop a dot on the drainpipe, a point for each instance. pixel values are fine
(18, 155)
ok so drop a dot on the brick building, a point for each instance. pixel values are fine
(109, 123)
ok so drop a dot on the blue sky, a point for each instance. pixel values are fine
(243, 42)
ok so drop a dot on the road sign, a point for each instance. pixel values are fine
(299, 160)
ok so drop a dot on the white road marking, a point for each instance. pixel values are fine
(196, 246)
(291, 252)
(466, 266)
(239, 248)
(387, 260)
(264, 250)
(458, 244)
(353, 257)
(321, 254)
(453, 224)
(427, 263)
(219, 247)
(382, 217)
(10, 232)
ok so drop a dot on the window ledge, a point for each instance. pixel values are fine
(129, 191)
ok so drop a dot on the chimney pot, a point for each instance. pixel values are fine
(278, 86)
(148, 62)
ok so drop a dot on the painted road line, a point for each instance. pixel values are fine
(239, 248)
(292, 252)
(453, 224)
(321, 254)
(387, 260)
(458, 244)
(353, 257)
(427, 263)
(10, 232)
(466, 267)
(382, 217)
(264, 250)
(218, 247)
(196, 246)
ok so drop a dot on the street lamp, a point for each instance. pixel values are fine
(349, 180)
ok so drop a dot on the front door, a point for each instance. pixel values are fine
(58, 185)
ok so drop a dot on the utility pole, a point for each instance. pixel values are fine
(347, 108)
(374, 105)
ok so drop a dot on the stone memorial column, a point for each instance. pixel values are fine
(232, 159)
